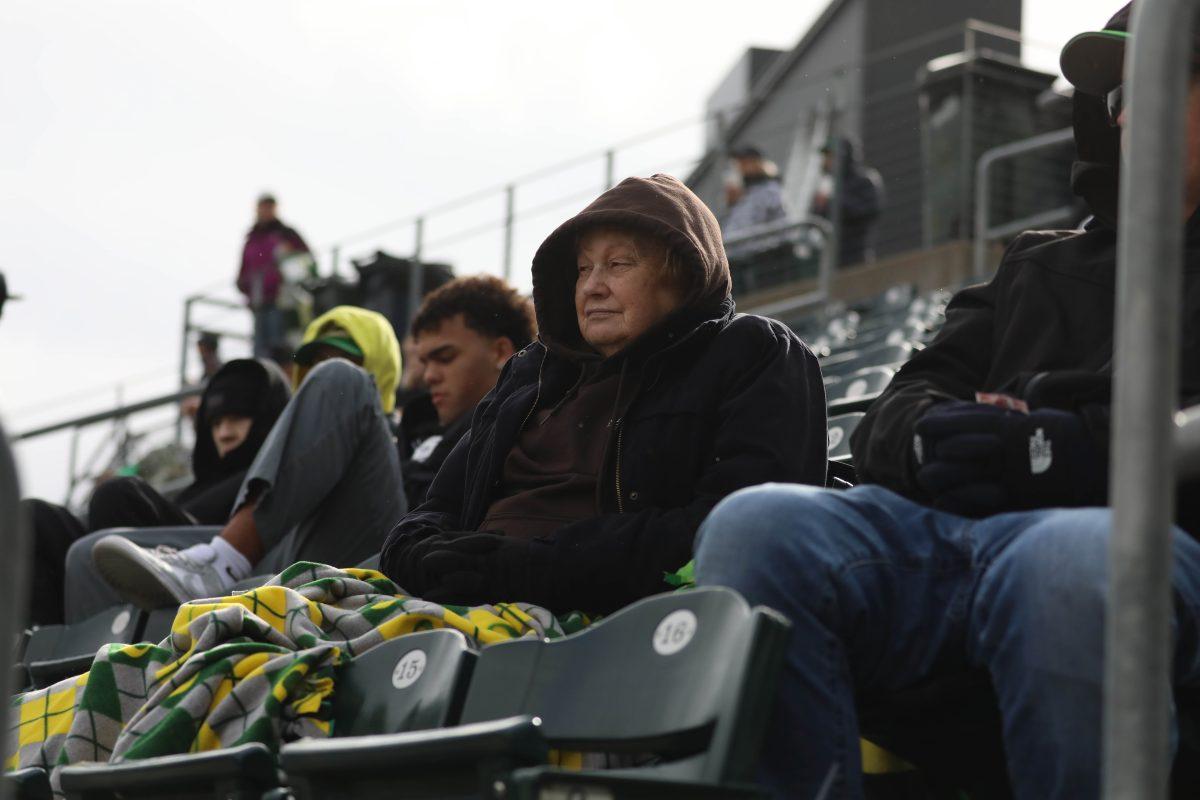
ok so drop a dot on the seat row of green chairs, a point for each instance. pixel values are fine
(666, 698)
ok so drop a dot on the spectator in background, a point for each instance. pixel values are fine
(645, 400)
(757, 198)
(268, 243)
(858, 190)
(208, 346)
(236, 412)
(462, 335)
(325, 486)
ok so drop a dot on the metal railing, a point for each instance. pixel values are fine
(1137, 685)
(756, 239)
(985, 232)
(14, 575)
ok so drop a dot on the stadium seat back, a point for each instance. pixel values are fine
(676, 675)
(413, 682)
(55, 652)
(876, 356)
(857, 385)
(840, 429)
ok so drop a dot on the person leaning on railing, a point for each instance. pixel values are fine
(983, 543)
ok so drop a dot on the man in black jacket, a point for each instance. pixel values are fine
(463, 334)
(976, 548)
(645, 401)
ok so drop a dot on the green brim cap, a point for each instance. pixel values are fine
(1094, 62)
(305, 354)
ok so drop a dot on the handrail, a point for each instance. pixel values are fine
(111, 414)
(824, 270)
(1137, 665)
(985, 233)
(14, 576)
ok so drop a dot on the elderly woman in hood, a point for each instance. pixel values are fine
(239, 405)
(645, 401)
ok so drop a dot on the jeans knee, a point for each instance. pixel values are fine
(769, 534)
(1045, 593)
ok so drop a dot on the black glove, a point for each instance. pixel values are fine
(978, 459)
(484, 568)
(405, 559)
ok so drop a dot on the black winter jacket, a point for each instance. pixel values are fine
(719, 402)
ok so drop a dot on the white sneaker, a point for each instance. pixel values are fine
(162, 576)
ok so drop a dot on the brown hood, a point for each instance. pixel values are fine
(659, 205)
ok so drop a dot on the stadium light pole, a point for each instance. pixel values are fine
(1137, 687)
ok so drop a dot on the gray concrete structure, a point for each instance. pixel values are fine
(863, 56)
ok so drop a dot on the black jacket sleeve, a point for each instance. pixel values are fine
(952, 367)
(770, 427)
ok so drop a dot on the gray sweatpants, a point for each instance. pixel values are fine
(327, 481)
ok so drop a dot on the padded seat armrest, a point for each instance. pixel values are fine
(31, 783)
(516, 739)
(529, 783)
(249, 763)
(49, 672)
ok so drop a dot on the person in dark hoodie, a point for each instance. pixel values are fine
(645, 400)
(241, 403)
(325, 486)
(982, 543)
(853, 202)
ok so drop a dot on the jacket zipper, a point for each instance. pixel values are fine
(537, 395)
(620, 502)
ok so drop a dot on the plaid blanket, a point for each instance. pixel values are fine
(257, 666)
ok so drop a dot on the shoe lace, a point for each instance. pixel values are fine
(176, 557)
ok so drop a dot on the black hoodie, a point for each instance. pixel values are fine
(211, 495)
(1041, 329)
(712, 402)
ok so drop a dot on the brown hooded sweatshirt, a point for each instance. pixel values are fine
(551, 475)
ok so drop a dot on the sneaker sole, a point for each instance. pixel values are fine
(133, 573)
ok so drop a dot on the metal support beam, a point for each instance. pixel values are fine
(510, 198)
(184, 349)
(610, 169)
(1137, 687)
(415, 275)
(335, 257)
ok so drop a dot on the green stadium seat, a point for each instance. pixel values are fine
(31, 783)
(676, 688)
(840, 428)
(55, 652)
(856, 391)
(409, 683)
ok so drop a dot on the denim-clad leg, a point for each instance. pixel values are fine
(883, 593)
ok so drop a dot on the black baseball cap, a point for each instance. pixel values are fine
(1094, 61)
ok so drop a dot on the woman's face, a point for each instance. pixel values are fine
(621, 290)
(229, 431)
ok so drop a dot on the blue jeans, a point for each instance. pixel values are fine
(883, 593)
(268, 331)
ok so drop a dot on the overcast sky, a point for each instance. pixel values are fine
(136, 134)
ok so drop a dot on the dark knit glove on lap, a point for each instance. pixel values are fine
(480, 568)
(978, 459)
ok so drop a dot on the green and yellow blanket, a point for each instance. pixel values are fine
(257, 666)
